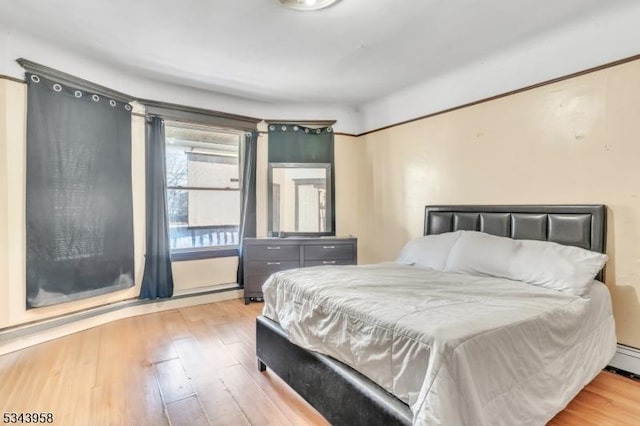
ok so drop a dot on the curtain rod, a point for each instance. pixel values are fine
(302, 122)
(72, 80)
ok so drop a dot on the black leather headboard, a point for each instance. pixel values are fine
(575, 225)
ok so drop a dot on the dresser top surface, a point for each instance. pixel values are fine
(300, 239)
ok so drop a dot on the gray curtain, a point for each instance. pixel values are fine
(79, 211)
(157, 281)
(248, 205)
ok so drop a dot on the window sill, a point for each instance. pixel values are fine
(203, 253)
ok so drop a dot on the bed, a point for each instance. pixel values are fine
(496, 350)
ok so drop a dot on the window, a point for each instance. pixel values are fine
(203, 190)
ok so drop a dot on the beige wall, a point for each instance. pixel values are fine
(193, 274)
(348, 152)
(576, 141)
(4, 179)
(262, 163)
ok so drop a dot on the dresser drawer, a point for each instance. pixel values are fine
(253, 285)
(328, 262)
(328, 251)
(275, 251)
(269, 267)
(265, 256)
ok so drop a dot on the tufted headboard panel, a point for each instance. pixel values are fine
(575, 225)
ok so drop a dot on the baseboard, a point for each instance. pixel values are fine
(627, 359)
(33, 334)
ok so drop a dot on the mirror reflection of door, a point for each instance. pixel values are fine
(299, 198)
(310, 205)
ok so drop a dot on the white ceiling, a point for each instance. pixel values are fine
(351, 54)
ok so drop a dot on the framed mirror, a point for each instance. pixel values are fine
(300, 199)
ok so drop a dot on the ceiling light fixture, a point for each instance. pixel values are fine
(307, 5)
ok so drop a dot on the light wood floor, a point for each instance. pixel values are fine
(196, 366)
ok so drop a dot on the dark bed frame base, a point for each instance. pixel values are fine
(352, 400)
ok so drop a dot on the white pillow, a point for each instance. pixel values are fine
(477, 253)
(430, 251)
(542, 263)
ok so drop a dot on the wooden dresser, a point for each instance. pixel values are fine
(264, 256)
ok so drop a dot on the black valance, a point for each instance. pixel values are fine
(220, 119)
(296, 143)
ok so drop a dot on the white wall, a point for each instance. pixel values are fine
(14, 45)
(593, 41)
(596, 41)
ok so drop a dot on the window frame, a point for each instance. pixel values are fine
(198, 117)
(205, 252)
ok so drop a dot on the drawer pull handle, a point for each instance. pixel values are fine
(329, 262)
(273, 263)
(273, 248)
(328, 247)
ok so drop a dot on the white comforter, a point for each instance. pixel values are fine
(458, 349)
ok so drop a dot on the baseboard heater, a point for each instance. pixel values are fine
(626, 361)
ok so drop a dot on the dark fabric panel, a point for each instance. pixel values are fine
(157, 281)
(439, 223)
(572, 230)
(298, 144)
(466, 221)
(248, 204)
(79, 209)
(529, 226)
(496, 224)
